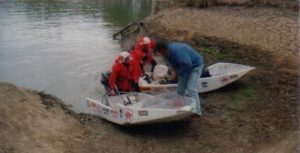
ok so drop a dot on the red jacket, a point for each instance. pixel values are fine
(137, 54)
(136, 58)
(149, 49)
(135, 68)
(120, 76)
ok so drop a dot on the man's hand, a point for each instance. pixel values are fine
(112, 92)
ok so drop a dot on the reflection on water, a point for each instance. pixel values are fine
(62, 46)
(119, 12)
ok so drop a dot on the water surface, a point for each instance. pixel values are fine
(61, 47)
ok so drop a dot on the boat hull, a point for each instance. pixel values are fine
(124, 115)
(217, 80)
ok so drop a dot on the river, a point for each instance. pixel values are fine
(61, 46)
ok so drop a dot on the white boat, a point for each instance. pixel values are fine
(221, 74)
(139, 108)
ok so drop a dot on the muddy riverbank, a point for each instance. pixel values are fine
(260, 109)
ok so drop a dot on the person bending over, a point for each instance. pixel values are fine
(188, 65)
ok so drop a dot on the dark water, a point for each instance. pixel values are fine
(61, 46)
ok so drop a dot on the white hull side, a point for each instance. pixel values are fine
(204, 84)
(125, 115)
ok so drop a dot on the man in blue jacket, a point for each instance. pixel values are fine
(188, 65)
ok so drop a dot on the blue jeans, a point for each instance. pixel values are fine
(188, 85)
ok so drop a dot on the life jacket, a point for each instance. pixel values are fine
(120, 76)
(135, 68)
(139, 46)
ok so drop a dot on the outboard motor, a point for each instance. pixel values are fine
(105, 80)
(147, 78)
(205, 73)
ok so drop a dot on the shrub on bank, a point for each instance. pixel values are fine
(272, 3)
(200, 3)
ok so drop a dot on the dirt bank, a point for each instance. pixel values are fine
(261, 109)
(27, 125)
(35, 122)
(270, 29)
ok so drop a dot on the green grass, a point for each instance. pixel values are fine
(215, 54)
(209, 3)
(262, 2)
(209, 50)
(200, 3)
(243, 96)
(245, 93)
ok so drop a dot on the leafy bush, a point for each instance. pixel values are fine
(208, 3)
(200, 3)
(262, 2)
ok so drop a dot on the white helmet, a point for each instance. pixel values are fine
(124, 55)
(146, 40)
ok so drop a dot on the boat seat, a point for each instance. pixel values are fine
(113, 100)
(135, 99)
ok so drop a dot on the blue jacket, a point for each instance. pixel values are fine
(183, 58)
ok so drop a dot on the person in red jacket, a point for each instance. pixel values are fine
(120, 76)
(135, 69)
(144, 48)
(140, 54)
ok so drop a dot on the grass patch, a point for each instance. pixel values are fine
(209, 50)
(266, 3)
(200, 3)
(245, 93)
(218, 50)
(262, 2)
(214, 53)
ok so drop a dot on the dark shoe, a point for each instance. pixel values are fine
(195, 116)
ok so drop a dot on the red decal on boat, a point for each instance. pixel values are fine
(128, 115)
(224, 79)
